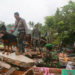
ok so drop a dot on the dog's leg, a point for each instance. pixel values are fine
(4, 48)
(11, 48)
(16, 47)
(8, 50)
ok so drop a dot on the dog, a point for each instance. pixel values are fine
(8, 40)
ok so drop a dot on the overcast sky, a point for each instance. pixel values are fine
(30, 10)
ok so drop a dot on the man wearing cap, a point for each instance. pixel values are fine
(36, 36)
(20, 23)
(50, 59)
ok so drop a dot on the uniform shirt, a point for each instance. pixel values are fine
(21, 25)
(51, 60)
(36, 34)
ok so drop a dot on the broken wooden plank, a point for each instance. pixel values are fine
(35, 53)
(18, 60)
(10, 71)
(65, 62)
(5, 65)
(31, 53)
(29, 72)
(1, 68)
(51, 70)
(72, 59)
(14, 73)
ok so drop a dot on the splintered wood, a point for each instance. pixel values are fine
(18, 60)
(1, 68)
(13, 71)
(10, 71)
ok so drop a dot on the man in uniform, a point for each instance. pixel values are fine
(36, 36)
(20, 23)
(50, 59)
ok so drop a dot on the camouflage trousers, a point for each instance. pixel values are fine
(50, 64)
(36, 42)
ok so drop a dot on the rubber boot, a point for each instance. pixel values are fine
(20, 48)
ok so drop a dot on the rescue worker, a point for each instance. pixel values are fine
(50, 59)
(20, 23)
(36, 36)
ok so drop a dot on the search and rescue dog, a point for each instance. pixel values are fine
(8, 39)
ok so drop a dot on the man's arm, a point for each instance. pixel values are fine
(15, 26)
(25, 25)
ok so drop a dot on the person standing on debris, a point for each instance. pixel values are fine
(20, 23)
(50, 59)
(36, 37)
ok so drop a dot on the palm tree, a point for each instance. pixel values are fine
(31, 24)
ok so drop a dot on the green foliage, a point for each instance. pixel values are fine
(56, 42)
(60, 23)
(10, 25)
(31, 24)
(63, 23)
(49, 21)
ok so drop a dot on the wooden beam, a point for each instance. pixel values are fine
(1, 68)
(10, 71)
(18, 60)
(65, 62)
(5, 65)
(14, 73)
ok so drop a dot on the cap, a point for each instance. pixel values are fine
(49, 45)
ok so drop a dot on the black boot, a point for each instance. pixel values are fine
(23, 49)
(20, 48)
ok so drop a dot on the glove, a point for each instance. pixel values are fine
(12, 31)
